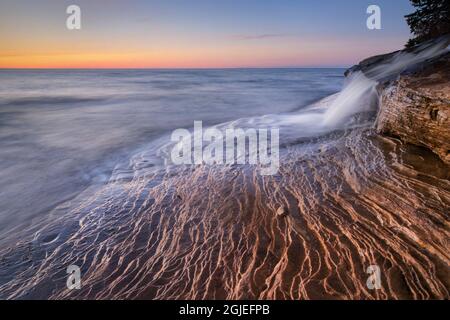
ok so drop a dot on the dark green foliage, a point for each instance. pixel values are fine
(431, 19)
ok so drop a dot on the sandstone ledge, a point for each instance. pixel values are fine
(416, 108)
(415, 103)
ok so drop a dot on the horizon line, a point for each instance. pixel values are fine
(173, 68)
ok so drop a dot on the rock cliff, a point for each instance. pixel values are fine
(414, 102)
(416, 108)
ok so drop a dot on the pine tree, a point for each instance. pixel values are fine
(431, 19)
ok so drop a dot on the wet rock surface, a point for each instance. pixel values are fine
(416, 108)
(414, 103)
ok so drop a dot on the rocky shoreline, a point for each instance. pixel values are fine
(415, 102)
(340, 205)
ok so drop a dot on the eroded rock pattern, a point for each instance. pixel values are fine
(213, 232)
(416, 108)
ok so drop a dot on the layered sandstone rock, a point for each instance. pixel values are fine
(414, 101)
(416, 107)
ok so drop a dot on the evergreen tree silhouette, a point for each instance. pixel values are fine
(431, 19)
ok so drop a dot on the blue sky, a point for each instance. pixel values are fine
(198, 33)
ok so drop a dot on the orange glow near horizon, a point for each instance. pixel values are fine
(138, 34)
(163, 59)
(316, 53)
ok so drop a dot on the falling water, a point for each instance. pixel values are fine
(354, 199)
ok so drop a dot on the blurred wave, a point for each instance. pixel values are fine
(353, 199)
(64, 131)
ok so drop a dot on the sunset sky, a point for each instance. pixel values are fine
(197, 33)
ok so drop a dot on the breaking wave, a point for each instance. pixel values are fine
(353, 199)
